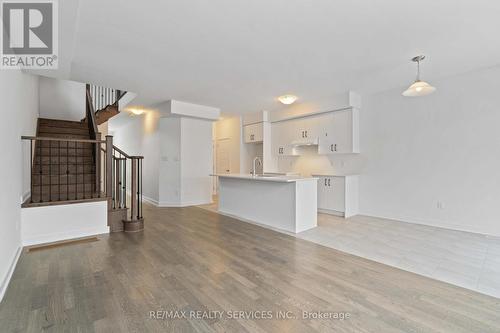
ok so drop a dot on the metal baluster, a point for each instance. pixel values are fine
(40, 161)
(31, 170)
(125, 183)
(59, 170)
(76, 169)
(141, 187)
(67, 170)
(137, 198)
(112, 180)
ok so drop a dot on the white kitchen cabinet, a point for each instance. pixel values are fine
(281, 137)
(340, 132)
(253, 133)
(338, 195)
(335, 132)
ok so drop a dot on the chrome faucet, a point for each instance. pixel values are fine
(257, 158)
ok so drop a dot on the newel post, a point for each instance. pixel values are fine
(133, 190)
(109, 168)
(97, 154)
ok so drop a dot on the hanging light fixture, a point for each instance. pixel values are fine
(419, 88)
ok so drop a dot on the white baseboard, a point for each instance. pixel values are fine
(8, 276)
(432, 223)
(26, 196)
(184, 203)
(56, 237)
(331, 212)
(150, 200)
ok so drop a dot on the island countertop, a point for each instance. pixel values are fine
(267, 178)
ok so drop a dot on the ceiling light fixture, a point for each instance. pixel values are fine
(287, 99)
(137, 112)
(419, 88)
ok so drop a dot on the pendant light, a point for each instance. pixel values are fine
(419, 88)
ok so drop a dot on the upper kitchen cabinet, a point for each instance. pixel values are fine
(253, 133)
(340, 132)
(282, 134)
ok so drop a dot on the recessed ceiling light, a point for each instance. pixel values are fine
(287, 99)
(419, 87)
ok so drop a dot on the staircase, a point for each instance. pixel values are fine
(70, 163)
(63, 169)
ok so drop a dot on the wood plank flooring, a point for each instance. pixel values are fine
(190, 259)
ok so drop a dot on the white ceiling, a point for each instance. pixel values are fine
(240, 55)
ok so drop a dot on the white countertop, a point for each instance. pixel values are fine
(273, 178)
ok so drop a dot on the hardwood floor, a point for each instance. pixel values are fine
(190, 259)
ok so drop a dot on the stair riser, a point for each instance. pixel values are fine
(55, 160)
(62, 179)
(62, 197)
(64, 130)
(64, 152)
(61, 123)
(63, 189)
(63, 144)
(62, 168)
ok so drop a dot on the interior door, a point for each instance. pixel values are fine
(222, 159)
(223, 156)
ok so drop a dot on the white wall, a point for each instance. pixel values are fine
(177, 156)
(196, 161)
(140, 136)
(421, 151)
(61, 99)
(439, 148)
(60, 222)
(19, 108)
(170, 162)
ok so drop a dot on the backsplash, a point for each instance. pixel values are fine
(309, 162)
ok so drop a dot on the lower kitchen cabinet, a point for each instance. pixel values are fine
(338, 194)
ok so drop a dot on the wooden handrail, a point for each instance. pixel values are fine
(91, 111)
(42, 138)
(125, 154)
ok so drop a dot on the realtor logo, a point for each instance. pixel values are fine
(29, 34)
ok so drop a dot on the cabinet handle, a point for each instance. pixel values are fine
(325, 181)
(335, 147)
(306, 134)
(303, 134)
(329, 182)
(251, 137)
(331, 147)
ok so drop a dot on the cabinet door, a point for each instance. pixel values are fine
(341, 135)
(336, 188)
(323, 193)
(278, 138)
(337, 133)
(253, 133)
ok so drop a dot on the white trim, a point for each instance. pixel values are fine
(10, 272)
(183, 204)
(330, 212)
(25, 196)
(60, 236)
(433, 223)
(148, 199)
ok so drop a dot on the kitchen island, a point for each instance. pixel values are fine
(286, 203)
